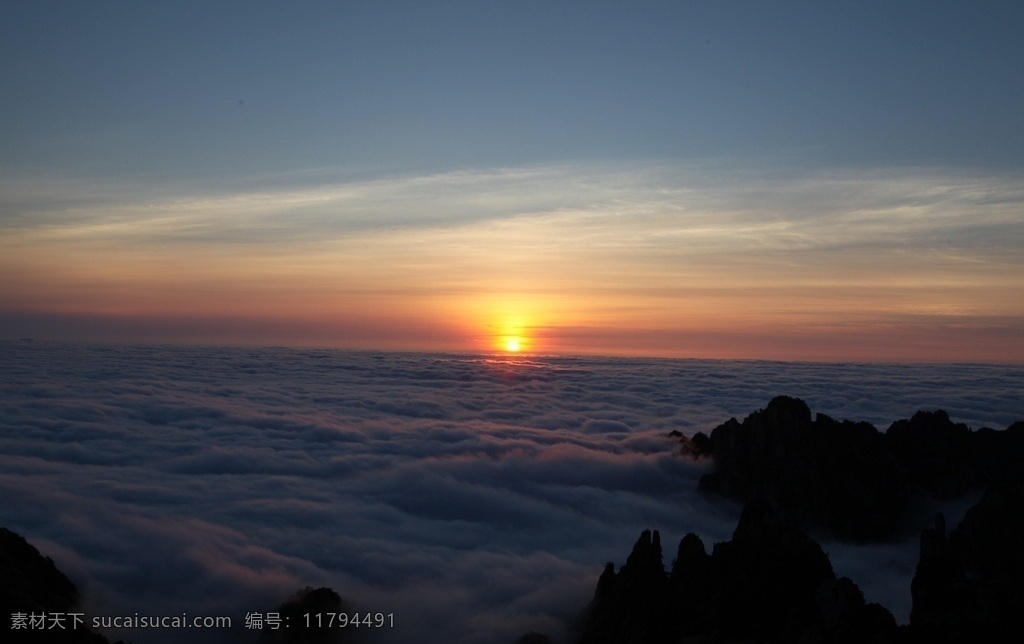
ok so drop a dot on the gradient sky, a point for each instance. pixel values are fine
(784, 180)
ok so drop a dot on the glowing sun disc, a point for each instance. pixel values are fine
(512, 344)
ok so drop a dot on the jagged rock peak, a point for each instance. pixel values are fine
(834, 475)
(789, 411)
(761, 534)
(646, 554)
(690, 555)
(770, 583)
(847, 478)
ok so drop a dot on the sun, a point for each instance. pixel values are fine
(512, 345)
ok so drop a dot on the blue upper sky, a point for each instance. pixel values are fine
(227, 89)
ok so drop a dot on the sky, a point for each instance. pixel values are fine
(767, 180)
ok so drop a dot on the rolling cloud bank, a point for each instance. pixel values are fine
(475, 497)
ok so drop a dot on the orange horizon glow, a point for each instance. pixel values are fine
(658, 279)
(710, 330)
(905, 340)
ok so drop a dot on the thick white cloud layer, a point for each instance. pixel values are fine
(476, 498)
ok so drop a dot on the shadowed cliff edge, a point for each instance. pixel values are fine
(770, 583)
(32, 585)
(846, 478)
(773, 583)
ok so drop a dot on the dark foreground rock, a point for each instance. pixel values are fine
(945, 459)
(322, 602)
(969, 585)
(847, 478)
(773, 583)
(31, 585)
(770, 583)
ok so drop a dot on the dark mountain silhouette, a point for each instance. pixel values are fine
(323, 602)
(773, 583)
(848, 478)
(770, 583)
(969, 585)
(30, 584)
(945, 459)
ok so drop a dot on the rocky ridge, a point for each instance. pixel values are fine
(773, 583)
(847, 478)
(769, 583)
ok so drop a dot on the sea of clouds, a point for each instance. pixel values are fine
(475, 497)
